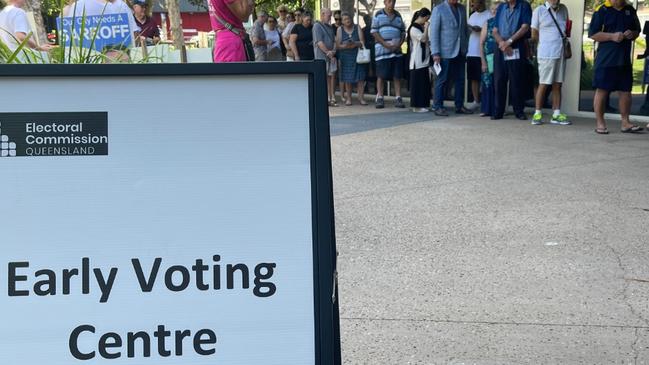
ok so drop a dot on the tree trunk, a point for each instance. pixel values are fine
(348, 6)
(40, 34)
(173, 7)
(369, 6)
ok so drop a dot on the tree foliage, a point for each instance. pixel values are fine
(270, 6)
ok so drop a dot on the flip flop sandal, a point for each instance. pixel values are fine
(333, 103)
(601, 131)
(633, 129)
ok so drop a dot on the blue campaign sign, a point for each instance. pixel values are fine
(99, 31)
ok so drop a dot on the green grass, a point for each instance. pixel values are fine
(638, 73)
(638, 66)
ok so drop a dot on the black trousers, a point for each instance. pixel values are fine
(508, 72)
(420, 88)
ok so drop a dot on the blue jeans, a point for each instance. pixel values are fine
(452, 68)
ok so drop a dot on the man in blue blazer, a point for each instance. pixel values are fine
(449, 38)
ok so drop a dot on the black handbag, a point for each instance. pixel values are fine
(245, 38)
(247, 45)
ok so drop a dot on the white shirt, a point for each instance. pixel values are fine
(273, 35)
(476, 19)
(288, 29)
(13, 20)
(415, 50)
(550, 44)
(96, 7)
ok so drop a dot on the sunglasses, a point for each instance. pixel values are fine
(337, 19)
(282, 11)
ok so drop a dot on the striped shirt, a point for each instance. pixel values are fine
(391, 29)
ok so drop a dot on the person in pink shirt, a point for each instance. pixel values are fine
(227, 18)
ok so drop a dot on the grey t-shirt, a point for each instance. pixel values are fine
(257, 33)
(322, 33)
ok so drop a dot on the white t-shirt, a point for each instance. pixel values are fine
(273, 35)
(13, 20)
(416, 61)
(550, 45)
(476, 19)
(96, 7)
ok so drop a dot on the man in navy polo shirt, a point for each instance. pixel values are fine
(614, 27)
(512, 29)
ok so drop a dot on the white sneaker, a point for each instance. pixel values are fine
(420, 110)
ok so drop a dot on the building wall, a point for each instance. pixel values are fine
(198, 21)
(570, 94)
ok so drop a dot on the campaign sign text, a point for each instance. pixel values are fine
(53, 134)
(99, 31)
(185, 233)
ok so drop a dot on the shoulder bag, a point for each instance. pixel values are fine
(245, 38)
(363, 56)
(567, 49)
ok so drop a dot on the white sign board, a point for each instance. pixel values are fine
(157, 220)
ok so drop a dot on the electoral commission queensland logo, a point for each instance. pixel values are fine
(53, 134)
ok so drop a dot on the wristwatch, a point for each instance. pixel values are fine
(510, 41)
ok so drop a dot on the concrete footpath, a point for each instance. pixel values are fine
(469, 241)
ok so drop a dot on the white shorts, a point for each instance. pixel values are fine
(551, 70)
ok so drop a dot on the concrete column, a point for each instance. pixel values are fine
(570, 94)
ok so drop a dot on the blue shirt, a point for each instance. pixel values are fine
(509, 21)
(391, 29)
(610, 20)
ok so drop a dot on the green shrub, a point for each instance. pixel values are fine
(586, 82)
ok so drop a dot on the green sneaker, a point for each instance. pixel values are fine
(537, 119)
(560, 119)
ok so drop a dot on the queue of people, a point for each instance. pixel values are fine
(491, 49)
(295, 36)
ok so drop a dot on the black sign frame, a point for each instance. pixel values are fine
(326, 310)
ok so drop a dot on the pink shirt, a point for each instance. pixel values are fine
(229, 46)
(220, 8)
